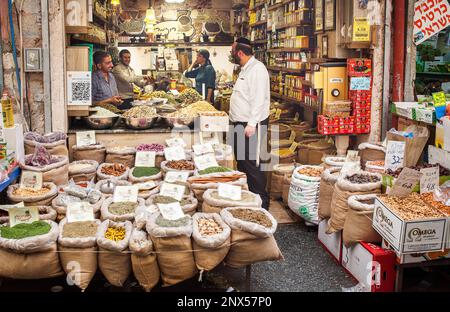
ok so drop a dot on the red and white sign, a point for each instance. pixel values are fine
(430, 17)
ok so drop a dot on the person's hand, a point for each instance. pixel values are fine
(249, 131)
(195, 64)
(116, 100)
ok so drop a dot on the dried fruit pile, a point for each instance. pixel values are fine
(114, 170)
(311, 171)
(180, 165)
(115, 234)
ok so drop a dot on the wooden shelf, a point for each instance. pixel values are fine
(77, 29)
(283, 26)
(258, 6)
(78, 110)
(281, 50)
(276, 6)
(89, 40)
(177, 44)
(264, 41)
(286, 70)
(291, 100)
(259, 23)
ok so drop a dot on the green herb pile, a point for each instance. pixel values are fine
(140, 172)
(24, 230)
(214, 170)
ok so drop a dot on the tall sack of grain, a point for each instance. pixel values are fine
(328, 179)
(95, 152)
(33, 257)
(143, 259)
(86, 174)
(174, 250)
(250, 242)
(210, 251)
(78, 255)
(276, 182)
(57, 148)
(212, 203)
(114, 259)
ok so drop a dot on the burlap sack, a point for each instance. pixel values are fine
(371, 152)
(102, 176)
(57, 148)
(276, 182)
(209, 251)
(109, 191)
(143, 260)
(43, 200)
(145, 193)
(45, 213)
(125, 156)
(329, 178)
(189, 209)
(78, 254)
(288, 159)
(92, 152)
(343, 189)
(299, 129)
(279, 132)
(310, 134)
(114, 260)
(107, 215)
(57, 172)
(174, 251)
(286, 186)
(334, 161)
(250, 242)
(166, 169)
(358, 223)
(212, 205)
(310, 153)
(133, 179)
(61, 210)
(83, 175)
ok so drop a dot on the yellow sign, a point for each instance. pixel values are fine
(293, 147)
(361, 29)
(278, 114)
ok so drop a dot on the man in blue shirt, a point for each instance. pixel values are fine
(104, 87)
(204, 74)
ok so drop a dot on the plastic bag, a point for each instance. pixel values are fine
(442, 193)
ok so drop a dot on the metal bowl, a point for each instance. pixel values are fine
(176, 122)
(100, 123)
(140, 123)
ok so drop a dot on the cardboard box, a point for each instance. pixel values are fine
(417, 258)
(408, 237)
(331, 242)
(214, 123)
(438, 156)
(359, 67)
(14, 140)
(371, 265)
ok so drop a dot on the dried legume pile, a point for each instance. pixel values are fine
(251, 215)
(115, 234)
(142, 111)
(150, 148)
(192, 110)
(171, 223)
(189, 96)
(103, 112)
(160, 199)
(140, 172)
(80, 229)
(411, 207)
(214, 170)
(245, 197)
(31, 192)
(311, 172)
(396, 173)
(114, 170)
(428, 198)
(362, 178)
(24, 230)
(110, 107)
(209, 227)
(122, 208)
(180, 165)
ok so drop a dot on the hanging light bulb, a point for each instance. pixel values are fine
(115, 3)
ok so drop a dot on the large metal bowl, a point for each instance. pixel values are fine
(140, 123)
(100, 123)
(178, 122)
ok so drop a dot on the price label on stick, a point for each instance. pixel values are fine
(31, 179)
(78, 212)
(173, 190)
(293, 147)
(429, 179)
(125, 194)
(232, 192)
(278, 114)
(395, 154)
(176, 176)
(405, 183)
(171, 211)
(86, 138)
(145, 159)
(205, 161)
(201, 149)
(18, 215)
(175, 142)
(174, 153)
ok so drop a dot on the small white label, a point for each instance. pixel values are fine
(174, 153)
(86, 138)
(395, 154)
(176, 176)
(171, 211)
(232, 192)
(175, 142)
(78, 212)
(7, 207)
(205, 161)
(429, 179)
(200, 149)
(145, 186)
(126, 194)
(18, 215)
(145, 159)
(336, 80)
(173, 190)
(352, 156)
(31, 179)
(405, 183)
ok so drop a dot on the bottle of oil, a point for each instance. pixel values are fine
(7, 110)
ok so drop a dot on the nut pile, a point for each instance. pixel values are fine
(189, 96)
(31, 192)
(193, 110)
(411, 207)
(376, 163)
(251, 215)
(114, 170)
(140, 112)
(362, 178)
(115, 234)
(209, 227)
(180, 165)
(428, 198)
(311, 172)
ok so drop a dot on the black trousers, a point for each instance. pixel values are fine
(245, 155)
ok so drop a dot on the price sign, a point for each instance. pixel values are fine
(7, 207)
(176, 176)
(171, 211)
(440, 104)
(125, 194)
(145, 159)
(31, 179)
(200, 149)
(297, 117)
(293, 147)
(232, 192)
(18, 215)
(360, 83)
(352, 156)
(292, 136)
(278, 114)
(146, 185)
(86, 138)
(361, 29)
(429, 179)
(78, 212)
(174, 153)
(405, 183)
(395, 154)
(205, 161)
(175, 142)
(173, 190)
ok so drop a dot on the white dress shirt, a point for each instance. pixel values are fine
(250, 101)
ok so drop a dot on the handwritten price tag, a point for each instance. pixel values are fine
(125, 194)
(205, 161)
(31, 179)
(232, 192)
(18, 215)
(176, 176)
(78, 212)
(174, 153)
(85, 138)
(405, 183)
(200, 149)
(395, 155)
(145, 159)
(175, 142)
(173, 190)
(171, 211)
(429, 179)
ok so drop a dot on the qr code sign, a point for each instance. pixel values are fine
(79, 88)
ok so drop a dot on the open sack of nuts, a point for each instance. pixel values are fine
(333, 161)
(45, 213)
(252, 238)
(178, 165)
(114, 259)
(211, 238)
(32, 197)
(214, 203)
(29, 251)
(371, 152)
(188, 205)
(143, 259)
(78, 242)
(120, 211)
(112, 171)
(172, 242)
(83, 170)
(349, 184)
(95, 152)
(121, 155)
(328, 179)
(54, 143)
